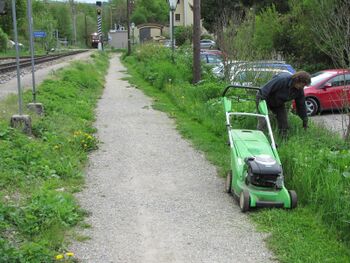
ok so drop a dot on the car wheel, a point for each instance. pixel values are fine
(228, 182)
(311, 106)
(293, 199)
(244, 201)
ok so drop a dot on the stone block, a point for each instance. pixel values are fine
(23, 122)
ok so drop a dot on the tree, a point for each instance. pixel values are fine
(267, 25)
(43, 21)
(296, 39)
(6, 20)
(61, 13)
(332, 34)
(216, 14)
(3, 40)
(282, 6)
(118, 11)
(150, 11)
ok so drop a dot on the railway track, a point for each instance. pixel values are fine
(26, 61)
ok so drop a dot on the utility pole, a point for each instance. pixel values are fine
(74, 15)
(196, 41)
(86, 34)
(128, 24)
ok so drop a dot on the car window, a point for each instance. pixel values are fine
(320, 77)
(338, 81)
(213, 59)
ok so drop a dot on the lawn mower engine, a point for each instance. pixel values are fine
(264, 171)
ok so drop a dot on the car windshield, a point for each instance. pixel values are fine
(214, 59)
(320, 77)
(257, 77)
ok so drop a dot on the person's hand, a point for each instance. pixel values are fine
(305, 124)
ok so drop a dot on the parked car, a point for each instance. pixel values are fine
(329, 90)
(212, 57)
(238, 65)
(207, 43)
(255, 76)
(274, 64)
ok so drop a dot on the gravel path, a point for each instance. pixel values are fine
(152, 197)
(8, 83)
(337, 123)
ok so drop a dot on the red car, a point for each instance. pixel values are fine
(329, 90)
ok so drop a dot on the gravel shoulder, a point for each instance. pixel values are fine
(8, 83)
(151, 196)
(334, 122)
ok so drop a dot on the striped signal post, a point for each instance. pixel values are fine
(99, 23)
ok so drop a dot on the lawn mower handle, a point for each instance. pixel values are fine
(238, 87)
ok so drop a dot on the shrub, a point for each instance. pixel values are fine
(183, 34)
(3, 40)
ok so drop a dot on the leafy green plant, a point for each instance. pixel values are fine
(39, 174)
(3, 40)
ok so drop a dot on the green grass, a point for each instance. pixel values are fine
(314, 162)
(39, 174)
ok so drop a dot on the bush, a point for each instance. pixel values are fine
(3, 40)
(183, 34)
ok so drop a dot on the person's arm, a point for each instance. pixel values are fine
(301, 109)
(300, 105)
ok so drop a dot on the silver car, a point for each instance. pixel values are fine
(207, 43)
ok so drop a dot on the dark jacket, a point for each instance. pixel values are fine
(279, 90)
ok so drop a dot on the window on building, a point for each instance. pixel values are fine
(177, 17)
(178, 1)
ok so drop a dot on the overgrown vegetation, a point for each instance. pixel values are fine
(309, 34)
(39, 174)
(316, 162)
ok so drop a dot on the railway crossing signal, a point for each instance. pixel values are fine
(99, 23)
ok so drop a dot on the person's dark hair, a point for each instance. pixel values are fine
(301, 77)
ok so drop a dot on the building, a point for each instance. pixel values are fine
(183, 15)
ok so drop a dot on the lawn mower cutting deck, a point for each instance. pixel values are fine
(256, 176)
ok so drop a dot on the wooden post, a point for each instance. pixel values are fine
(196, 41)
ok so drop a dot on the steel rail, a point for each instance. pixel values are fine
(11, 66)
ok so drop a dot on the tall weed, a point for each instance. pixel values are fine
(38, 174)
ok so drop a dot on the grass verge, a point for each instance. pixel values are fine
(40, 173)
(315, 162)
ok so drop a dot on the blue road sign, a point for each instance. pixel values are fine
(39, 34)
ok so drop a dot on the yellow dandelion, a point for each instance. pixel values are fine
(70, 254)
(59, 257)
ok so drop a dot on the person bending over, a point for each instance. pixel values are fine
(280, 89)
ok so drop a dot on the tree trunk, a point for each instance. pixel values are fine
(196, 41)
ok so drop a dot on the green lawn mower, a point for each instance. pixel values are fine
(256, 176)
